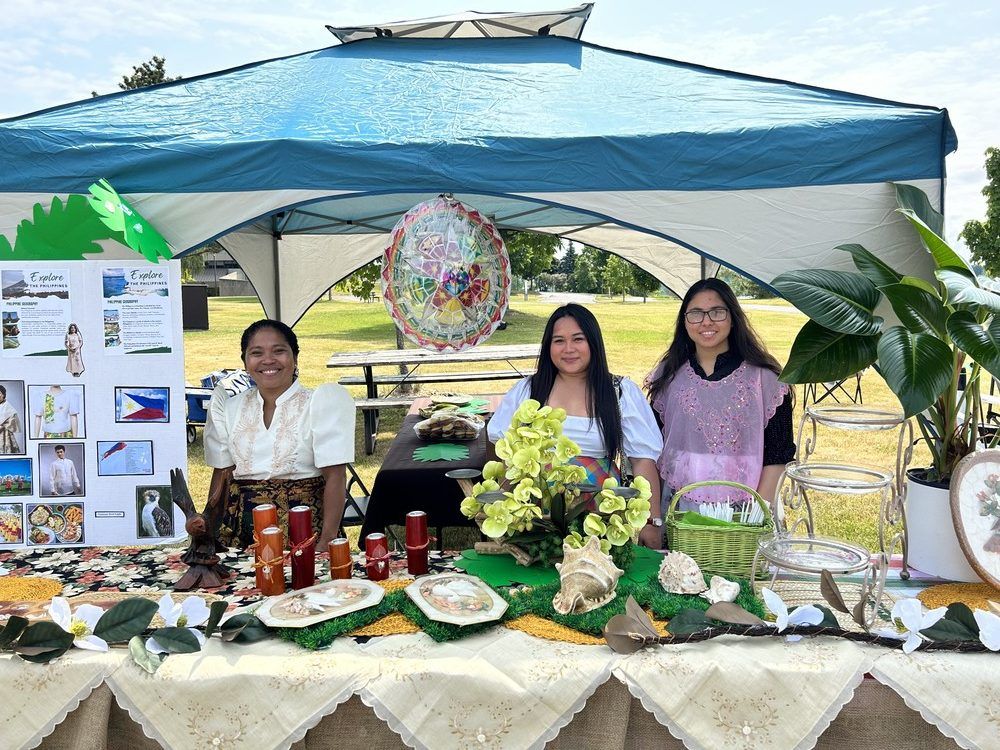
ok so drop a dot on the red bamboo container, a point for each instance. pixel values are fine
(264, 515)
(417, 542)
(272, 562)
(302, 541)
(377, 557)
(340, 558)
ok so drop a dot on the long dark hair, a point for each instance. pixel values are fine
(743, 339)
(602, 395)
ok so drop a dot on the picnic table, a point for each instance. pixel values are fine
(418, 360)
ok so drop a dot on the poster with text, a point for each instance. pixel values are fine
(136, 310)
(35, 306)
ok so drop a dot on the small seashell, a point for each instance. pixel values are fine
(721, 590)
(680, 574)
(587, 579)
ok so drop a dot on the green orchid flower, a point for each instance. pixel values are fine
(528, 461)
(493, 470)
(527, 410)
(573, 540)
(637, 518)
(565, 449)
(504, 449)
(642, 484)
(593, 525)
(498, 520)
(618, 532)
(611, 503)
(525, 490)
(605, 546)
(470, 507)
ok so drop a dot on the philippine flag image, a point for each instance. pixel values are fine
(142, 404)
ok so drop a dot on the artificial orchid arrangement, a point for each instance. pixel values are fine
(531, 498)
(187, 625)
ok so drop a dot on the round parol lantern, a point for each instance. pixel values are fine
(446, 275)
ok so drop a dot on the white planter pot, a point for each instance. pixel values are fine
(933, 546)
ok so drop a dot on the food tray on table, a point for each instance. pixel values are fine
(719, 548)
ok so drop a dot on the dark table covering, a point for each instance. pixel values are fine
(403, 484)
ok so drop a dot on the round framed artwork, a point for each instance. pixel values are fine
(975, 510)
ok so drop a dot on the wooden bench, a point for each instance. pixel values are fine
(437, 377)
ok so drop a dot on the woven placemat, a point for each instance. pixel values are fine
(975, 595)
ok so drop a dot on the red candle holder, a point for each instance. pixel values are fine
(302, 540)
(264, 515)
(377, 557)
(272, 561)
(340, 558)
(417, 542)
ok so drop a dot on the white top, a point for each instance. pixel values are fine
(642, 436)
(64, 405)
(62, 477)
(309, 430)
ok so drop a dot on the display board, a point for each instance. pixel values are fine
(93, 411)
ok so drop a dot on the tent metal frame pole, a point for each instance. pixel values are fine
(275, 236)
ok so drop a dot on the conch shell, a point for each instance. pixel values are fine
(587, 577)
(680, 574)
(721, 590)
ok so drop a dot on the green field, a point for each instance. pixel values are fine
(635, 333)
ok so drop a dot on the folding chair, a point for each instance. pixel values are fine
(356, 504)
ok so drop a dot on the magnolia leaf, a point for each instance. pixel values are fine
(215, 613)
(831, 591)
(819, 355)
(12, 630)
(963, 289)
(829, 619)
(441, 452)
(871, 267)
(915, 200)
(69, 231)
(146, 660)
(176, 640)
(962, 614)
(982, 344)
(919, 311)
(950, 630)
(841, 301)
(688, 621)
(41, 642)
(244, 628)
(125, 620)
(916, 366)
(733, 614)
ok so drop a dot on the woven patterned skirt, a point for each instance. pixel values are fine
(236, 525)
(598, 469)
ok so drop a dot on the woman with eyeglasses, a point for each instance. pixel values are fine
(717, 397)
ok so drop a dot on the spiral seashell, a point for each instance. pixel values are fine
(680, 574)
(587, 577)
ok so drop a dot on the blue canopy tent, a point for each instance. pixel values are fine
(301, 164)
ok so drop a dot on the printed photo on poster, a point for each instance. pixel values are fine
(137, 310)
(57, 412)
(35, 305)
(74, 350)
(15, 477)
(55, 523)
(124, 458)
(12, 440)
(61, 470)
(142, 404)
(11, 523)
(154, 512)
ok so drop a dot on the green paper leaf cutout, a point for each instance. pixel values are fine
(441, 452)
(119, 216)
(68, 231)
(125, 619)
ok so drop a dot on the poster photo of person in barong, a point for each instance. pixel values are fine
(12, 441)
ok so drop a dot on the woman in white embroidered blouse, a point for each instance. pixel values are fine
(607, 417)
(280, 442)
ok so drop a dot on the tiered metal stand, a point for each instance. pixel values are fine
(796, 548)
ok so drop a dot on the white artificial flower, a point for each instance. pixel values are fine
(189, 614)
(989, 629)
(911, 613)
(80, 623)
(807, 615)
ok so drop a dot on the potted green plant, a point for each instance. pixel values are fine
(946, 335)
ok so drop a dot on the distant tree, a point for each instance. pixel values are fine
(363, 282)
(585, 278)
(567, 264)
(530, 253)
(194, 263)
(744, 287)
(617, 275)
(983, 237)
(643, 282)
(148, 73)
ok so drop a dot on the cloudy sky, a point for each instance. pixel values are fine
(940, 54)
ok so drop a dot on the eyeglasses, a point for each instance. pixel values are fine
(716, 314)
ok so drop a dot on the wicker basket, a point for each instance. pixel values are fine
(718, 550)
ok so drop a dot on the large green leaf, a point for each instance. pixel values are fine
(982, 344)
(963, 289)
(944, 256)
(176, 640)
(916, 366)
(820, 355)
(68, 231)
(920, 284)
(914, 199)
(43, 641)
(919, 311)
(837, 300)
(871, 267)
(125, 619)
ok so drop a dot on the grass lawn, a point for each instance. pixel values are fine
(635, 334)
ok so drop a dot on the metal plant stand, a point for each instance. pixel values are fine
(797, 548)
